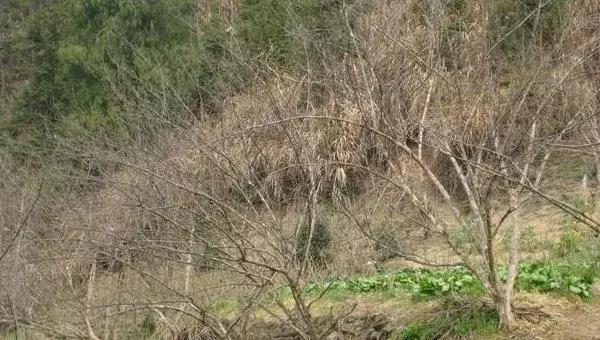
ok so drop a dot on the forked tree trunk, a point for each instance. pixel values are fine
(507, 318)
(502, 297)
(501, 292)
(597, 156)
(505, 310)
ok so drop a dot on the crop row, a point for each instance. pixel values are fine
(423, 282)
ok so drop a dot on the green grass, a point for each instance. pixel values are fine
(574, 170)
(459, 319)
(333, 295)
(225, 307)
(23, 334)
(387, 295)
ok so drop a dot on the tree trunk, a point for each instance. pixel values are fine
(502, 292)
(501, 295)
(507, 319)
(597, 167)
(505, 312)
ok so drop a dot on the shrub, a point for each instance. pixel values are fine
(571, 240)
(517, 24)
(462, 319)
(558, 277)
(458, 7)
(88, 54)
(530, 241)
(451, 37)
(205, 259)
(320, 244)
(147, 327)
(291, 33)
(263, 27)
(98, 64)
(387, 242)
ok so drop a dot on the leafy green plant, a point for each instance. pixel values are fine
(557, 277)
(422, 283)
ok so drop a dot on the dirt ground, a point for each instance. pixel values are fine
(569, 320)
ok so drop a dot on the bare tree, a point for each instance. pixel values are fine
(495, 145)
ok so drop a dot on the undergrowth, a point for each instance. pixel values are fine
(458, 319)
(557, 276)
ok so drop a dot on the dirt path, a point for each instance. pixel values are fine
(577, 322)
(569, 319)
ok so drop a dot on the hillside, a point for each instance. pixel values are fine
(276, 169)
